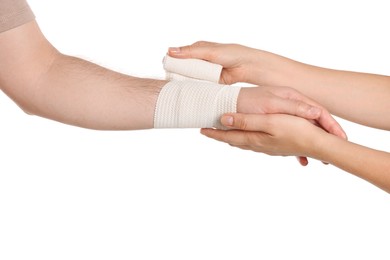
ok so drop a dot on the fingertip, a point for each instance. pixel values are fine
(203, 131)
(337, 130)
(303, 160)
(227, 120)
(175, 51)
(343, 134)
(206, 131)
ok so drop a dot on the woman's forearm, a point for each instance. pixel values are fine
(358, 97)
(366, 163)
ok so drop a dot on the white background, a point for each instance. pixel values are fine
(71, 193)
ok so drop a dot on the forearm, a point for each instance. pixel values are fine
(366, 163)
(359, 97)
(44, 82)
(81, 93)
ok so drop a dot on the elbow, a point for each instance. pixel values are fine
(27, 108)
(23, 100)
(33, 100)
(28, 111)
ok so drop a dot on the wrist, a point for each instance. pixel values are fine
(322, 146)
(275, 70)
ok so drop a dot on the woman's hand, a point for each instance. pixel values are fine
(331, 88)
(278, 134)
(272, 134)
(284, 100)
(241, 63)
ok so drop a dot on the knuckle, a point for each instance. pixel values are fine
(190, 48)
(242, 123)
(200, 43)
(301, 108)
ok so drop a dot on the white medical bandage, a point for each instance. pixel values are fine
(191, 68)
(194, 104)
(193, 99)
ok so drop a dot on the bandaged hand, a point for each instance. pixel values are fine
(194, 99)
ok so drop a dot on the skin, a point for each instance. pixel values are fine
(359, 97)
(47, 83)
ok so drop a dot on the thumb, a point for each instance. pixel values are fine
(199, 50)
(247, 122)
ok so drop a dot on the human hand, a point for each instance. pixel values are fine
(241, 63)
(272, 134)
(244, 64)
(284, 100)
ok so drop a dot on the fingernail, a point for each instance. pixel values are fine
(227, 120)
(174, 50)
(314, 111)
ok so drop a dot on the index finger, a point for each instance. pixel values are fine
(328, 123)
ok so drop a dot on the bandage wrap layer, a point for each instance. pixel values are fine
(185, 69)
(192, 99)
(194, 104)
